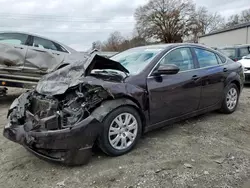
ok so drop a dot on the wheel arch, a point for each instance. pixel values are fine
(108, 106)
(235, 79)
(237, 83)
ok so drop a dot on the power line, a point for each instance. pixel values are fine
(58, 18)
(49, 15)
(66, 21)
(78, 30)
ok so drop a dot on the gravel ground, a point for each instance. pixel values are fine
(211, 150)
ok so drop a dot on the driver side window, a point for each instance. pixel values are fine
(181, 57)
(13, 38)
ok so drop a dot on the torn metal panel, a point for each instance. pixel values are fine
(48, 61)
(58, 82)
(19, 105)
(42, 59)
(27, 61)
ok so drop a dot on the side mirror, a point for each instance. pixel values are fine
(166, 69)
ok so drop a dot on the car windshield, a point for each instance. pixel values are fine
(247, 57)
(229, 52)
(135, 60)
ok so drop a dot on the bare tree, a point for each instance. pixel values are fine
(164, 20)
(113, 42)
(235, 19)
(245, 16)
(97, 45)
(116, 42)
(203, 22)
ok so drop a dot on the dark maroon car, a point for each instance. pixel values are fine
(111, 102)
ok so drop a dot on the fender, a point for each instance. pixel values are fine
(108, 106)
(233, 76)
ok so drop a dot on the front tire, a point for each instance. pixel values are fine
(122, 129)
(231, 98)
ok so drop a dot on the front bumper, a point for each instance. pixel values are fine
(72, 146)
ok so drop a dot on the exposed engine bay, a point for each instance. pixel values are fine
(62, 118)
(61, 111)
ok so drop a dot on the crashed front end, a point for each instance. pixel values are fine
(58, 128)
(61, 119)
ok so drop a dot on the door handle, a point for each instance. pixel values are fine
(18, 47)
(225, 70)
(55, 54)
(195, 77)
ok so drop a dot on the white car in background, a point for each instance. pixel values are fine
(245, 61)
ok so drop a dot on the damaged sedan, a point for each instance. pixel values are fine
(25, 58)
(111, 102)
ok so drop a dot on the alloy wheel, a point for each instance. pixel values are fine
(123, 131)
(232, 98)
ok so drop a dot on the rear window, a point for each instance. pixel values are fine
(244, 51)
(247, 57)
(43, 44)
(229, 52)
(222, 59)
(60, 48)
(206, 58)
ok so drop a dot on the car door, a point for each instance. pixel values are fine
(42, 56)
(13, 50)
(172, 96)
(59, 54)
(213, 75)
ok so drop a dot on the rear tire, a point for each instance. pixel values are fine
(120, 136)
(231, 98)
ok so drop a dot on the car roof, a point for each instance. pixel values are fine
(164, 46)
(26, 33)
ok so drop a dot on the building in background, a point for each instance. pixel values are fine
(237, 35)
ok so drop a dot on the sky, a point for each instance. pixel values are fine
(78, 23)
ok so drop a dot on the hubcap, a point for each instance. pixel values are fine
(123, 131)
(232, 97)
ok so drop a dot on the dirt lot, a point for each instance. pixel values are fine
(211, 150)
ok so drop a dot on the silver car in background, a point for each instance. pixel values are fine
(25, 57)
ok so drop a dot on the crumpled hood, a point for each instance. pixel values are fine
(59, 81)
